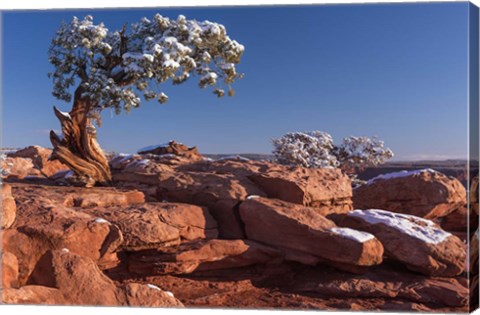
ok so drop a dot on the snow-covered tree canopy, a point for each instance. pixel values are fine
(361, 152)
(115, 67)
(307, 149)
(316, 149)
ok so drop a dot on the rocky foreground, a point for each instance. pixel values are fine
(178, 230)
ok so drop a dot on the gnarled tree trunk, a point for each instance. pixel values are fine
(78, 148)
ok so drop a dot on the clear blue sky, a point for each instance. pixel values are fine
(398, 71)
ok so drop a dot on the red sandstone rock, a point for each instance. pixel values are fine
(19, 168)
(327, 190)
(40, 158)
(303, 229)
(201, 256)
(142, 295)
(418, 243)
(383, 283)
(222, 185)
(9, 208)
(156, 225)
(82, 283)
(33, 294)
(458, 221)
(174, 148)
(56, 227)
(426, 193)
(9, 270)
(104, 199)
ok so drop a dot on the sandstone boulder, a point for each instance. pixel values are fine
(328, 190)
(18, 167)
(40, 159)
(418, 243)
(423, 193)
(159, 224)
(9, 208)
(202, 255)
(82, 283)
(459, 221)
(220, 193)
(303, 230)
(9, 270)
(150, 295)
(33, 294)
(58, 227)
(222, 185)
(104, 199)
(173, 148)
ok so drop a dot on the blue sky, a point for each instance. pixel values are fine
(398, 71)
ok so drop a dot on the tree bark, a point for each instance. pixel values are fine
(78, 148)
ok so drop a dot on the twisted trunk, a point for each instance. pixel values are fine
(78, 148)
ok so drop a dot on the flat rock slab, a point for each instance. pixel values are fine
(303, 230)
(103, 199)
(416, 242)
(201, 256)
(159, 224)
(328, 190)
(424, 193)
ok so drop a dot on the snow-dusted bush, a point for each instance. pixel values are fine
(307, 149)
(357, 153)
(316, 149)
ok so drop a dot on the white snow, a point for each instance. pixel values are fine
(234, 157)
(355, 235)
(169, 293)
(142, 164)
(253, 197)
(210, 76)
(171, 64)
(100, 220)
(65, 114)
(400, 174)
(151, 286)
(65, 250)
(419, 228)
(153, 147)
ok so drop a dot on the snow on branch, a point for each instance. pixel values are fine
(115, 67)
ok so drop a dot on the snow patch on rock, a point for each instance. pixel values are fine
(419, 228)
(151, 286)
(352, 234)
(234, 157)
(400, 175)
(100, 220)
